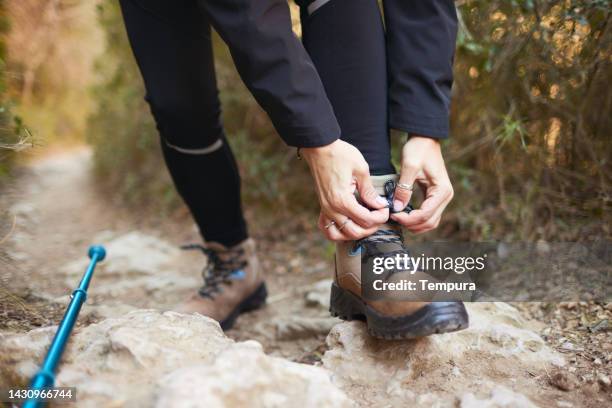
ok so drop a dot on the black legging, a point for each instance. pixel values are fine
(172, 45)
(346, 42)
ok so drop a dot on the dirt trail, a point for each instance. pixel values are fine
(59, 213)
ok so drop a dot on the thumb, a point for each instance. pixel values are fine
(367, 192)
(405, 185)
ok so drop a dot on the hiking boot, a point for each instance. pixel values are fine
(388, 318)
(233, 283)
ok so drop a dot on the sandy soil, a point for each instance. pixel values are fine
(57, 211)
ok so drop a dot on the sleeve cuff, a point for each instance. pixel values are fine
(310, 137)
(436, 127)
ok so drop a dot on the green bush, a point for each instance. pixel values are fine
(13, 136)
(530, 153)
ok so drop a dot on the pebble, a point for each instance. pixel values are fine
(568, 346)
(603, 380)
(562, 381)
(570, 305)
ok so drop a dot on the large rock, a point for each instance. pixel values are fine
(498, 348)
(20, 355)
(243, 376)
(500, 397)
(148, 358)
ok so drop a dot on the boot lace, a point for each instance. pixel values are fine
(369, 244)
(371, 249)
(391, 236)
(218, 270)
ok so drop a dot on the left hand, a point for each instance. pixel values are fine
(423, 164)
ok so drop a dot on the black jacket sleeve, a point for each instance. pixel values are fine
(275, 67)
(421, 36)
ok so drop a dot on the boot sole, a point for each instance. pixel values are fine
(253, 302)
(434, 318)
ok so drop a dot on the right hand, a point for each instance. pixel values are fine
(338, 170)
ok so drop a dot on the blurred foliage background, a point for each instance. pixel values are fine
(13, 136)
(531, 118)
(46, 53)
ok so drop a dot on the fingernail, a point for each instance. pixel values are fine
(382, 201)
(398, 205)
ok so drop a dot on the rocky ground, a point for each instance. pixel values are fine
(129, 350)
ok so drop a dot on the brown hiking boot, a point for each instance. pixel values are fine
(233, 283)
(388, 318)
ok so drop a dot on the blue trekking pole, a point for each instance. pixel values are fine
(45, 377)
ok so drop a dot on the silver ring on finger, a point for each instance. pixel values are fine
(343, 224)
(404, 186)
(330, 224)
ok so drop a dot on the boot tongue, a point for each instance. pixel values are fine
(379, 182)
(385, 187)
(217, 247)
(224, 253)
(239, 251)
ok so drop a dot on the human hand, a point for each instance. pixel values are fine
(339, 169)
(422, 164)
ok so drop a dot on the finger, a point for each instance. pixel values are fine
(408, 174)
(434, 220)
(328, 230)
(414, 218)
(346, 230)
(351, 208)
(354, 231)
(418, 219)
(334, 235)
(428, 225)
(367, 192)
(437, 199)
(333, 232)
